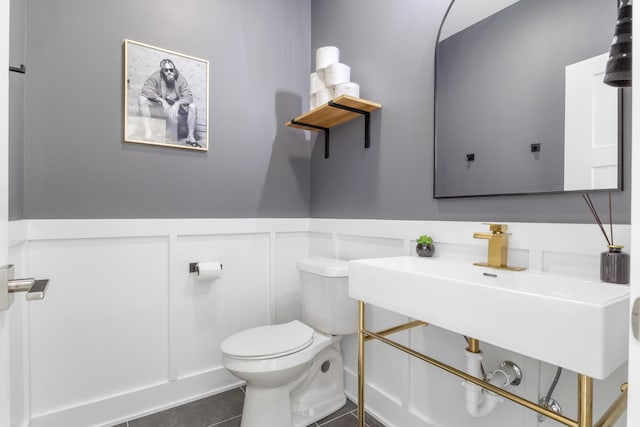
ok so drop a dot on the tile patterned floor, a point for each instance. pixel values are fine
(225, 410)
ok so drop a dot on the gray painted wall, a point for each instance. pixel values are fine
(16, 145)
(390, 48)
(76, 164)
(16, 109)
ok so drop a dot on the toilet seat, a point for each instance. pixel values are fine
(268, 342)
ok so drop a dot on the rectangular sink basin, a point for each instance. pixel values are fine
(580, 325)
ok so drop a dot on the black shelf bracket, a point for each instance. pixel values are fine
(326, 134)
(21, 69)
(367, 126)
(366, 114)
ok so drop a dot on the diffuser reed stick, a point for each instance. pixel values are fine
(592, 208)
(610, 218)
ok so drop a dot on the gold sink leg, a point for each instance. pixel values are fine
(585, 401)
(617, 408)
(361, 339)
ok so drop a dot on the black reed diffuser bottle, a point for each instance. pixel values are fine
(614, 264)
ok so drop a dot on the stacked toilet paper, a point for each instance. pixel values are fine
(331, 78)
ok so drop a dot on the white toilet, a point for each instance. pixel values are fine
(294, 371)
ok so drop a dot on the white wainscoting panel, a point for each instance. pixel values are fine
(103, 328)
(289, 248)
(125, 330)
(385, 380)
(572, 264)
(354, 247)
(439, 396)
(205, 312)
(323, 244)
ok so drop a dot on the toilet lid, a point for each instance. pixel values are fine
(265, 342)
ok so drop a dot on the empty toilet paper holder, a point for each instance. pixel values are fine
(35, 289)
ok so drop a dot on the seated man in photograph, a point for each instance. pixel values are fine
(167, 93)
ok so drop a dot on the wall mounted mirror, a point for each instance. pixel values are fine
(520, 106)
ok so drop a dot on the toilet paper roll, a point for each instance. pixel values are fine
(316, 83)
(337, 73)
(327, 55)
(348, 88)
(208, 270)
(320, 97)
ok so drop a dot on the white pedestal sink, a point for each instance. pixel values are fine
(577, 324)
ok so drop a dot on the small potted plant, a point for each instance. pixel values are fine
(424, 246)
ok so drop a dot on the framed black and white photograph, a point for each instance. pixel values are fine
(166, 98)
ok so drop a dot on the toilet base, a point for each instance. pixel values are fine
(266, 407)
(322, 391)
(316, 394)
(271, 408)
(301, 419)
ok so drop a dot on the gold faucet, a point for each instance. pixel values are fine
(498, 247)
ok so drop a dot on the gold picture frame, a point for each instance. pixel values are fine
(166, 97)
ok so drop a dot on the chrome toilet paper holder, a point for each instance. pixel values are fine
(193, 267)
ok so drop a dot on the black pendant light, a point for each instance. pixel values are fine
(618, 71)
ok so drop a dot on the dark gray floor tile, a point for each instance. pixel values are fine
(348, 407)
(234, 422)
(201, 413)
(347, 420)
(225, 410)
(369, 421)
(372, 422)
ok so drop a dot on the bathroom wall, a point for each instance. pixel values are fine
(75, 162)
(259, 57)
(17, 56)
(126, 330)
(390, 48)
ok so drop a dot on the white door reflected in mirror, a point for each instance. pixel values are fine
(591, 127)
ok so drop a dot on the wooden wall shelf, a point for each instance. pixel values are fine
(340, 110)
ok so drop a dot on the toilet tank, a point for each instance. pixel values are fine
(326, 305)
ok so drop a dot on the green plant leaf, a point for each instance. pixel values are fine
(424, 240)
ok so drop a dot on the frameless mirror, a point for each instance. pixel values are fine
(520, 103)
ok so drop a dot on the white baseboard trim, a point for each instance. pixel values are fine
(135, 404)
